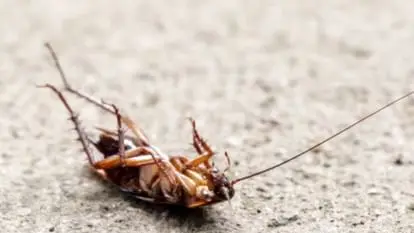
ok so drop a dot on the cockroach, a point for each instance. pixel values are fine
(141, 169)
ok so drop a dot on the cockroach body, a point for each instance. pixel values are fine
(149, 174)
(143, 170)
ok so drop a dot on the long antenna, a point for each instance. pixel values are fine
(323, 141)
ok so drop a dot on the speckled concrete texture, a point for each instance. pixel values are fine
(263, 79)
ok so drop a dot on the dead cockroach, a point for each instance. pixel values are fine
(141, 169)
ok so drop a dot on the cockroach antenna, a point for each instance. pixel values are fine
(323, 141)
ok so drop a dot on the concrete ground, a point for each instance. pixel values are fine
(264, 80)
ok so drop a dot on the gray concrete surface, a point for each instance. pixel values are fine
(264, 79)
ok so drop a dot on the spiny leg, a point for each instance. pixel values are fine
(128, 122)
(135, 129)
(121, 135)
(196, 138)
(204, 157)
(74, 118)
(69, 88)
(199, 144)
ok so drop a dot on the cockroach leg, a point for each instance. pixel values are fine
(178, 165)
(198, 140)
(160, 164)
(195, 176)
(166, 171)
(113, 133)
(121, 135)
(107, 131)
(74, 118)
(199, 143)
(199, 160)
(228, 162)
(196, 137)
(136, 157)
(135, 129)
(188, 184)
(66, 83)
(101, 173)
(133, 158)
(110, 135)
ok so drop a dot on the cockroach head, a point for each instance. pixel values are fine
(223, 188)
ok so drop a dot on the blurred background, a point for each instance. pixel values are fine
(263, 79)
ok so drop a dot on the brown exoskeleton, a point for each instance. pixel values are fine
(143, 170)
